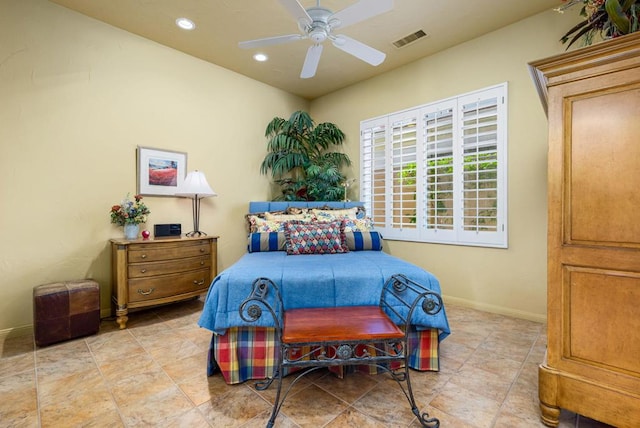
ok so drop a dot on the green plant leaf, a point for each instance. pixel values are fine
(617, 15)
(299, 159)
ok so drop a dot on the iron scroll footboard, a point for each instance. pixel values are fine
(399, 299)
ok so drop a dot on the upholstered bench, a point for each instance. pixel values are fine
(65, 310)
(312, 338)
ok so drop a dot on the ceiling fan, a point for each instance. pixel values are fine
(317, 24)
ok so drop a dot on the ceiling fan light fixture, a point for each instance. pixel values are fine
(185, 24)
(318, 35)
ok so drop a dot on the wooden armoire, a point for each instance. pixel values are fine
(592, 365)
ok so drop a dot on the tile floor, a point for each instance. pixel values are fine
(153, 374)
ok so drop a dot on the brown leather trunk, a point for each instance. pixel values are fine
(65, 310)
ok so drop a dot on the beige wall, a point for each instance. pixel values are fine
(509, 281)
(76, 98)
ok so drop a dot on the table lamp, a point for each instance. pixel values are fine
(195, 186)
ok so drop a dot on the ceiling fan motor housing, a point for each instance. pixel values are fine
(319, 28)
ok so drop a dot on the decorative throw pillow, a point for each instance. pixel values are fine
(289, 217)
(250, 219)
(359, 224)
(266, 241)
(315, 238)
(330, 215)
(363, 241)
(258, 224)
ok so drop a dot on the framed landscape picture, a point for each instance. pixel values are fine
(160, 172)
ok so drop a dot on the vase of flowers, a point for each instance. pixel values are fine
(130, 214)
(604, 18)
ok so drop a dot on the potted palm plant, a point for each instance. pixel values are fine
(300, 159)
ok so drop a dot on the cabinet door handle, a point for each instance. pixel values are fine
(202, 250)
(146, 293)
(201, 262)
(144, 256)
(143, 270)
(201, 282)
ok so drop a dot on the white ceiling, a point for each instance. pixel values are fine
(221, 24)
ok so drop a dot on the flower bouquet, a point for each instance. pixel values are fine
(130, 212)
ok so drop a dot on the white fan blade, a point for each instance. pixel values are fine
(250, 44)
(297, 11)
(359, 50)
(311, 61)
(360, 11)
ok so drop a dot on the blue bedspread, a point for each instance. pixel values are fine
(312, 281)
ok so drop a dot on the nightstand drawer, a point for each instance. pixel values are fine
(157, 252)
(168, 285)
(143, 270)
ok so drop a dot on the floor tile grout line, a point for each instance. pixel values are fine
(35, 380)
(515, 379)
(457, 371)
(106, 383)
(175, 384)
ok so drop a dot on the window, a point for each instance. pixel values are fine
(437, 172)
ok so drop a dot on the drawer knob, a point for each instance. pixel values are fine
(201, 282)
(147, 292)
(201, 262)
(144, 256)
(143, 270)
(202, 250)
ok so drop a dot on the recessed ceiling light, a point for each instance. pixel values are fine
(260, 57)
(185, 23)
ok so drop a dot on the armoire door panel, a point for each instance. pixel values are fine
(604, 175)
(603, 321)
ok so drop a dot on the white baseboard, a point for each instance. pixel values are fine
(495, 309)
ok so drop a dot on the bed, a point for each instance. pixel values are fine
(316, 278)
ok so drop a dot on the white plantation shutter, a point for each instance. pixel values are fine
(437, 173)
(402, 204)
(373, 168)
(481, 138)
(439, 203)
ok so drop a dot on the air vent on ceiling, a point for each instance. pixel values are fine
(409, 39)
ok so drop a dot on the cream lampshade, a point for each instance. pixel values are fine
(195, 186)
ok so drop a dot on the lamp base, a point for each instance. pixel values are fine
(195, 233)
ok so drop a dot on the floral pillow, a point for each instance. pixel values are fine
(315, 238)
(329, 215)
(304, 216)
(358, 225)
(259, 224)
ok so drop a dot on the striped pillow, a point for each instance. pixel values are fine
(362, 241)
(266, 241)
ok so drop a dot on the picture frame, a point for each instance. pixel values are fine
(160, 172)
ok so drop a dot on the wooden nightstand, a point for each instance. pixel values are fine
(155, 272)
